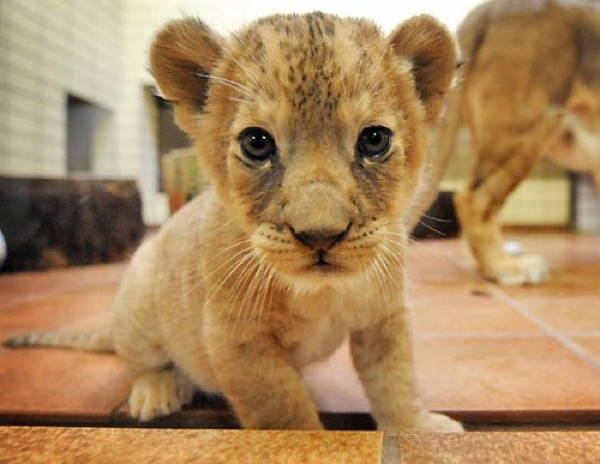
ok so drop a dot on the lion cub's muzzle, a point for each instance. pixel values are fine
(319, 216)
(321, 240)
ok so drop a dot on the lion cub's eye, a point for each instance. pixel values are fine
(374, 142)
(257, 144)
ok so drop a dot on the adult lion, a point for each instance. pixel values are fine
(530, 88)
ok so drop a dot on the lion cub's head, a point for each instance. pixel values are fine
(312, 128)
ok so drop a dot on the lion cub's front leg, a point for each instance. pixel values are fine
(383, 358)
(265, 390)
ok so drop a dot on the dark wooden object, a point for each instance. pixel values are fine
(440, 220)
(72, 221)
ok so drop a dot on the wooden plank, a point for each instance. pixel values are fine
(66, 445)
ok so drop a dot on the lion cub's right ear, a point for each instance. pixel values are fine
(181, 52)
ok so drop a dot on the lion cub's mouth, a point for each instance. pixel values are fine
(322, 263)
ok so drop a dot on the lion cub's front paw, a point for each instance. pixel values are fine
(425, 421)
(518, 270)
(434, 422)
(159, 393)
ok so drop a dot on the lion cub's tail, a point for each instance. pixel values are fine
(84, 339)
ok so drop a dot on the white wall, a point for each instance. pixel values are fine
(49, 48)
(588, 206)
(227, 16)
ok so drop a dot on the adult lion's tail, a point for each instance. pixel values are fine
(84, 339)
(441, 151)
(447, 133)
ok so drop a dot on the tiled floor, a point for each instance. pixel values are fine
(60, 444)
(484, 353)
(63, 444)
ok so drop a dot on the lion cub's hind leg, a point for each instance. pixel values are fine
(159, 392)
(159, 387)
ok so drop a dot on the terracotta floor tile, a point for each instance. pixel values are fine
(562, 250)
(50, 382)
(30, 286)
(441, 275)
(468, 314)
(335, 384)
(438, 265)
(591, 344)
(449, 291)
(570, 313)
(46, 444)
(587, 276)
(56, 311)
(504, 374)
(501, 448)
(556, 287)
(479, 374)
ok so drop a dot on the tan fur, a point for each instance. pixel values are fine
(531, 87)
(226, 292)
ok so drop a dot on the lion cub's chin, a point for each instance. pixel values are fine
(315, 277)
(312, 281)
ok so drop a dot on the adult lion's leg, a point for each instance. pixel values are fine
(500, 168)
(596, 178)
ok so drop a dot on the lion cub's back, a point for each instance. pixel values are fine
(164, 272)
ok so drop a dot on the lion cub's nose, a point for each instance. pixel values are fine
(320, 239)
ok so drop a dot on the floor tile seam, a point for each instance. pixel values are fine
(390, 449)
(561, 338)
(582, 333)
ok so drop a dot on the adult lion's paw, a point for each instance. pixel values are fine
(518, 270)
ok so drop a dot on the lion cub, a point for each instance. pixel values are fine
(313, 130)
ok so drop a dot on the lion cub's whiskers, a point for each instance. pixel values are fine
(227, 83)
(433, 229)
(239, 100)
(225, 250)
(246, 71)
(248, 257)
(255, 273)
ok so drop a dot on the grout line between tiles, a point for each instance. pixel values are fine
(561, 338)
(390, 449)
(582, 333)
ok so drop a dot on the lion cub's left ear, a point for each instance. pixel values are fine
(429, 46)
